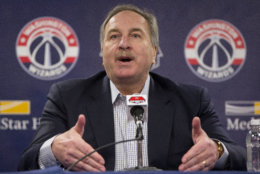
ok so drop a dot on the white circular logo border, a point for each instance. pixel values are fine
(195, 71)
(25, 52)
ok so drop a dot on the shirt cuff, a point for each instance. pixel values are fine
(221, 163)
(46, 157)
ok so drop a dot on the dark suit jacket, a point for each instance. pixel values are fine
(171, 110)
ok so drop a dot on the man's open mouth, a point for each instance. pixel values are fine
(125, 59)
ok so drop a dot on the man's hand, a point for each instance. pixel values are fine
(203, 155)
(69, 147)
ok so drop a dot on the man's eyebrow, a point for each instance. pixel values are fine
(131, 30)
(136, 29)
(113, 30)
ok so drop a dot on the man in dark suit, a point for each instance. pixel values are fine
(183, 132)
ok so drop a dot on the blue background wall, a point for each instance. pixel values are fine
(176, 18)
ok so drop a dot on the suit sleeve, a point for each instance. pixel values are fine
(53, 122)
(214, 129)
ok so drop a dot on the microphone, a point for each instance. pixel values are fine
(137, 105)
(138, 113)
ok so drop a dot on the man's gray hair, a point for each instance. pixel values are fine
(149, 17)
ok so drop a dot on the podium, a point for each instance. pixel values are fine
(58, 170)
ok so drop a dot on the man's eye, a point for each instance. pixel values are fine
(136, 35)
(113, 36)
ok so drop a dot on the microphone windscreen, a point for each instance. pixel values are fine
(137, 110)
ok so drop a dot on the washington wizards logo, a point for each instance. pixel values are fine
(215, 50)
(47, 48)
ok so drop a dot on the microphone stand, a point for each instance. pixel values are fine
(139, 136)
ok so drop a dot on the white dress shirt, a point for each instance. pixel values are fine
(125, 129)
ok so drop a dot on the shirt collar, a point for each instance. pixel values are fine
(115, 92)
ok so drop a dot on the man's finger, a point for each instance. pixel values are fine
(196, 129)
(192, 152)
(99, 164)
(79, 126)
(81, 166)
(86, 149)
(94, 164)
(192, 159)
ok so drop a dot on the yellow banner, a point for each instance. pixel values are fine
(15, 107)
(257, 108)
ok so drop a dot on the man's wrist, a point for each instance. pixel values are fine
(46, 157)
(220, 147)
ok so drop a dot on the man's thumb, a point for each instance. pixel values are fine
(79, 126)
(196, 129)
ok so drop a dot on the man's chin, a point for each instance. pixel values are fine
(125, 74)
(125, 78)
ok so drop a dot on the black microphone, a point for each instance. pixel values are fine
(136, 104)
(138, 113)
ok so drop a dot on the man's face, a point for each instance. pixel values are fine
(127, 49)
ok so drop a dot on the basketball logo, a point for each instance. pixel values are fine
(215, 50)
(47, 48)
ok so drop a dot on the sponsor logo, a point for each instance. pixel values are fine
(238, 124)
(15, 107)
(136, 100)
(47, 48)
(10, 108)
(12, 124)
(240, 113)
(244, 108)
(215, 50)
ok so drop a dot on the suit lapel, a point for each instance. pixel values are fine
(160, 121)
(100, 111)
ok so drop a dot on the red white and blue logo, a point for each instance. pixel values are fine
(47, 48)
(136, 99)
(215, 50)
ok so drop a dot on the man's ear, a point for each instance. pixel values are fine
(155, 54)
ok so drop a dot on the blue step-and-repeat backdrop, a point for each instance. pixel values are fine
(210, 43)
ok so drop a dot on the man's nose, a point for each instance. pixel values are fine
(124, 43)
